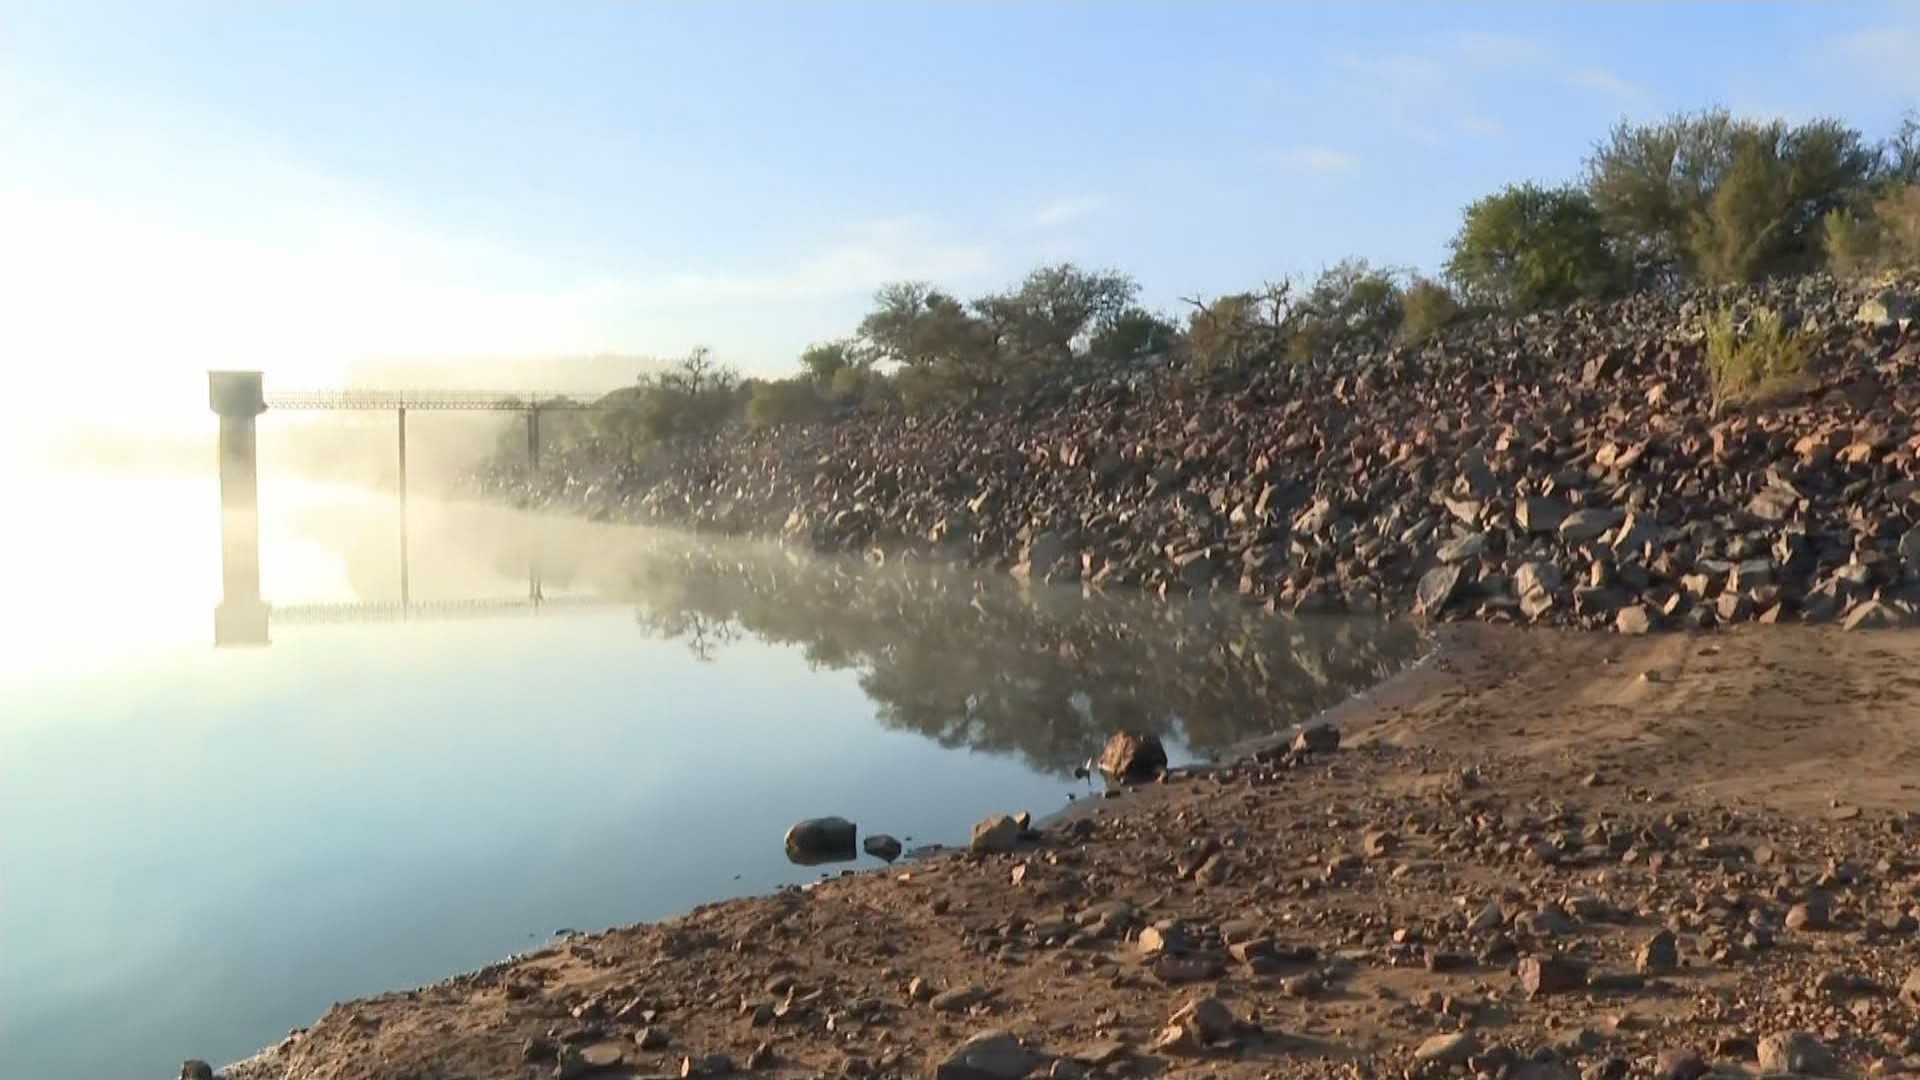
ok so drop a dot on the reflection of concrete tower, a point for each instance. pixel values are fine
(241, 617)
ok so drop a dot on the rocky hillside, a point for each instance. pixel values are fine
(1571, 468)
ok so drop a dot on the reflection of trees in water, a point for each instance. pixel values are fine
(967, 661)
(1045, 674)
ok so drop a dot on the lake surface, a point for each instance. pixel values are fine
(203, 847)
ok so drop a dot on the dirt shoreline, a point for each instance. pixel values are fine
(1526, 810)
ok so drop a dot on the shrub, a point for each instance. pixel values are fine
(1764, 356)
(1849, 242)
(784, 401)
(1425, 308)
(1896, 219)
(1529, 247)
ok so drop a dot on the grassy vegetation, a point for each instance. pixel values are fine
(1757, 361)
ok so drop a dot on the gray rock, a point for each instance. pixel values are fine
(1888, 307)
(882, 846)
(1544, 975)
(1132, 755)
(1464, 549)
(817, 840)
(1871, 615)
(1589, 523)
(1796, 1052)
(994, 835)
(958, 999)
(1437, 588)
(990, 1055)
(1540, 515)
(1536, 576)
(1320, 738)
(1679, 1065)
(1450, 1049)
(1634, 619)
(1658, 955)
(195, 1069)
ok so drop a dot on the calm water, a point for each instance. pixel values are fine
(201, 848)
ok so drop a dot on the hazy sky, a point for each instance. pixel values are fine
(303, 186)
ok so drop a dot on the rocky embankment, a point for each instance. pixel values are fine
(1546, 856)
(1570, 468)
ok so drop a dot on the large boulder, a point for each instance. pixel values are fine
(1133, 755)
(1796, 1052)
(824, 839)
(995, 835)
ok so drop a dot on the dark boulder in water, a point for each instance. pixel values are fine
(818, 840)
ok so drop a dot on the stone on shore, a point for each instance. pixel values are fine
(994, 835)
(1133, 755)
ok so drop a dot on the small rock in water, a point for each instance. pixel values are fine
(1133, 755)
(816, 840)
(195, 1069)
(882, 846)
(993, 835)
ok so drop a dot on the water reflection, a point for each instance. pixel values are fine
(970, 661)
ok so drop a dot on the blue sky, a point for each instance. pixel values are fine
(304, 186)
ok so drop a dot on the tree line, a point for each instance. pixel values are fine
(1696, 197)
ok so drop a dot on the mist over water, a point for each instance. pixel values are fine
(571, 725)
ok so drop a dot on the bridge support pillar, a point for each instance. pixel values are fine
(241, 617)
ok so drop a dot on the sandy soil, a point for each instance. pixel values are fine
(1498, 837)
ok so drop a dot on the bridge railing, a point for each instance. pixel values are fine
(443, 400)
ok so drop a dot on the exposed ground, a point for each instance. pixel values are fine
(1526, 796)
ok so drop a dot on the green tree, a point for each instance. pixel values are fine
(1134, 333)
(1746, 196)
(825, 360)
(1350, 301)
(916, 325)
(1529, 247)
(1054, 310)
